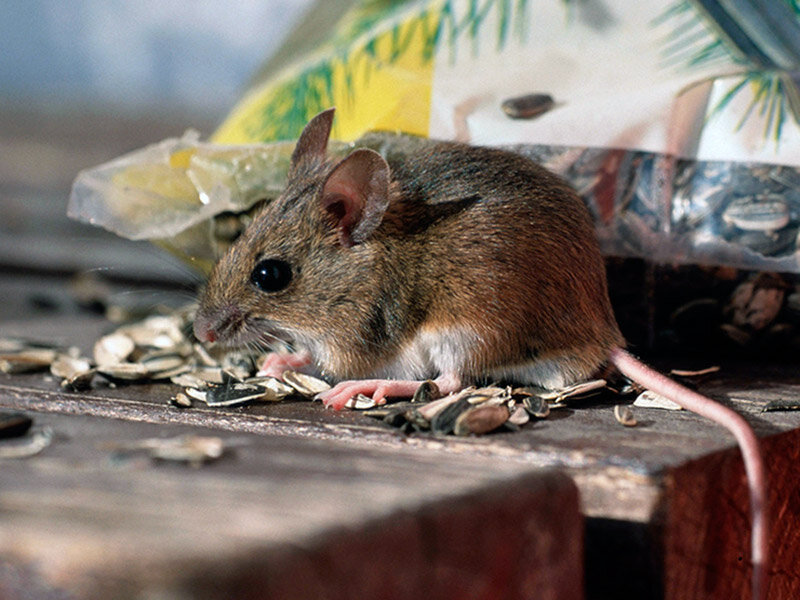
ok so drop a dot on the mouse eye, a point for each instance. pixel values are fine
(271, 275)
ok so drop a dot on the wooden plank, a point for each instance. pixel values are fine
(279, 517)
(665, 501)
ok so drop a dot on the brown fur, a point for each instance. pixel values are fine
(471, 236)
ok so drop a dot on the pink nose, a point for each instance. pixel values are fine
(203, 331)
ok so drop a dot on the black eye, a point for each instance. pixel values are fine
(271, 275)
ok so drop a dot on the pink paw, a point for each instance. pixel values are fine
(379, 390)
(276, 363)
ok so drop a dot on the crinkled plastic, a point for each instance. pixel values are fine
(678, 122)
(161, 190)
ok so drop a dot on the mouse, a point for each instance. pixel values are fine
(450, 262)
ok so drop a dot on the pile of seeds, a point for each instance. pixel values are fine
(475, 411)
(161, 348)
(221, 388)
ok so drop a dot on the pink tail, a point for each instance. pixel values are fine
(745, 437)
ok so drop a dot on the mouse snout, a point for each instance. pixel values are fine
(203, 330)
(215, 324)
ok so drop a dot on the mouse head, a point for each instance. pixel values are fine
(306, 267)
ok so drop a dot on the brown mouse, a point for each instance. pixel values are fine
(452, 262)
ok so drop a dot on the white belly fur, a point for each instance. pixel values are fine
(433, 353)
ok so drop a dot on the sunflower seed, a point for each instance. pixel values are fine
(76, 373)
(486, 394)
(480, 419)
(181, 400)
(536, 406)
(27, 361)
(113, 349)
(162, 365)
(235, 394)
(444, 421)
(14, 424)
(199, 377)
(519, 416)
(306, 385)
(769, 213)
(157, 331)
(123, 371)
(581, 390)
(192, 449)
(427, 391)
(649, 399)
(196, 393)
(360, 402)
(280, 389)
(528, 106)
(431, 409)
(624, 415)
(779, 405)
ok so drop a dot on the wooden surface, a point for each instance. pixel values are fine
(279, 517)
(665, 502)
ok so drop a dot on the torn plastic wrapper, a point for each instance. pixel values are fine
(679, 127)
(194, 198)
(169, 192)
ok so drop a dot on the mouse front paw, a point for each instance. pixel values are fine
(275, 363)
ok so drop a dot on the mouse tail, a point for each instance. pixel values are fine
(640, 373)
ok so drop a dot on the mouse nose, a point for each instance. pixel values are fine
(203, 330)
(215, 323)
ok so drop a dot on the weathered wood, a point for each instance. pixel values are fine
(280, 517)
(665, 501)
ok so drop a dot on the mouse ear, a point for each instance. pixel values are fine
(313, 142)
(356, 194)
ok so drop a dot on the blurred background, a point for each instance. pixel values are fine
(85, 81)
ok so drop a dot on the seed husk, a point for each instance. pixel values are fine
(196, 393)
(236, 394)
(649, 399)
(113, 349)
(181, 400)
(480, 419)
(444, 421)
(280, 389)
(624, 415)
(159, 362)
(780, 405)
(192, 449)
(489, 394)
(14, 424)
(431, 409)
(360, 402)
(536, 406)
(66, 366)
(27, 361)
(519, 416)
(157, 331)
(582, 390)
(123, 371)
(199, 377)
(426, 392)
(305, 385)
